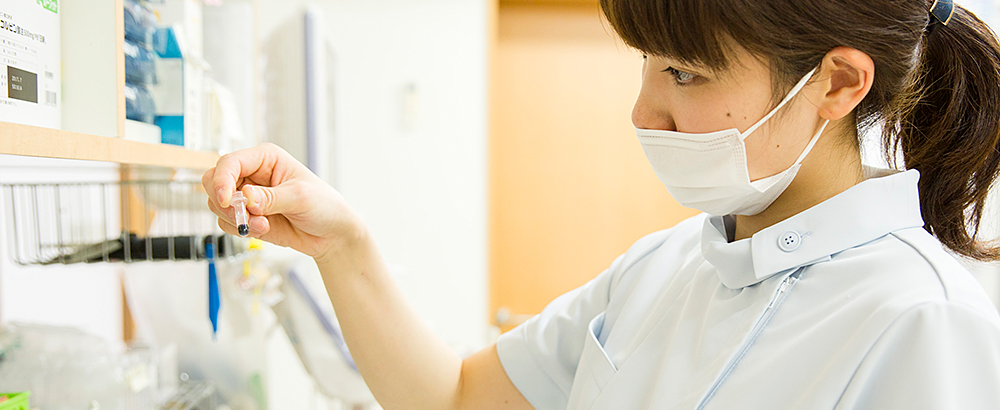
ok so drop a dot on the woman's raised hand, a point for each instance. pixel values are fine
(288, 204)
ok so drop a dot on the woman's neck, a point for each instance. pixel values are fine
(833, 166)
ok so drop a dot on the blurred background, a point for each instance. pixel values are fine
(487, 144)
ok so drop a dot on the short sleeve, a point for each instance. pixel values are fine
(541, 355)
(939, 355)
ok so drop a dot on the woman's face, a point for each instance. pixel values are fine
(675, 97)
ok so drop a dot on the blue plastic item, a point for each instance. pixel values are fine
(139, 22)
(165, 43)
(140, 66)
(214, 302)
(172, 129)
(139, 105)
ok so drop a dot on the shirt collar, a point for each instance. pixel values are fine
(861, 214)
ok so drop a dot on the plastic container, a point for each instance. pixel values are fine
(139, 105)
(239, 204)
(139, 22)
(140, 67)
(15, 401)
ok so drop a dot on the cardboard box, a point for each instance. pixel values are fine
(29, 62)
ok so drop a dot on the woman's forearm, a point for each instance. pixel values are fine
(404, 363)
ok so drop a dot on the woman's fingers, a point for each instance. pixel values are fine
(279, 190)
(282, 199)
(256, 164)
(207, 181)
(259, 225)
(225, 214)
(228, 227)
(264, 201)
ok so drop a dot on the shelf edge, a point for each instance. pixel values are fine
(27, 140)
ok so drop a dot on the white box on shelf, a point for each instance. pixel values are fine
(179, 92)
(142, 132)
(30, 62)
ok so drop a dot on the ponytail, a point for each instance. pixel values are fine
(949, 129)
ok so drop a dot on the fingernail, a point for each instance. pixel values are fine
(220, 195)
(256, 225)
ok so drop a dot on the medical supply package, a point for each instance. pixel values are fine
(29, 62)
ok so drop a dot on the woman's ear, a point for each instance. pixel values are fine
(845, 78)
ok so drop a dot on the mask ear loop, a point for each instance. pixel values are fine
(791, 94)
(812, 143)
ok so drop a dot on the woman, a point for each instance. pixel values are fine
(809, 282)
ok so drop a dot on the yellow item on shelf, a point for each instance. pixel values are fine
(254, 245)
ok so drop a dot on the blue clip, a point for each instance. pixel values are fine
(214, 301)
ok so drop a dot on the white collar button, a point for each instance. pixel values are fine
(789, 241)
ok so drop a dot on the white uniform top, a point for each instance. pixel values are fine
(847, 305)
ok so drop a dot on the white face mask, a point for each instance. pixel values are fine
(709, 171)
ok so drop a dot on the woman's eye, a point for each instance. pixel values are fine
(681, 77)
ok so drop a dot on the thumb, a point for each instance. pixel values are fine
(265, 201)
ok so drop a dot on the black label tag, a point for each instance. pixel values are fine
(22, 85)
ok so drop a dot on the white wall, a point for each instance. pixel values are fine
(987, 10)
(423, 190)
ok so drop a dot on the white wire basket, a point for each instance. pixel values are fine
(126, 221)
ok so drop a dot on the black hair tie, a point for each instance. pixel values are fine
(941, 11)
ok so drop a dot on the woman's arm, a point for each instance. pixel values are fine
(404, 364)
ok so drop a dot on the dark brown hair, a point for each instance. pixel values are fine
(936, 90)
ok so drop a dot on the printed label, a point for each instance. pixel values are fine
(22, 85)
(30, 87)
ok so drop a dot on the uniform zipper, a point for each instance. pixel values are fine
(758, 328)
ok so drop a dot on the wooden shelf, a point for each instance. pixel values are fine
(17, 139)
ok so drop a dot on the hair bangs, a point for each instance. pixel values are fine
(690, 31)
